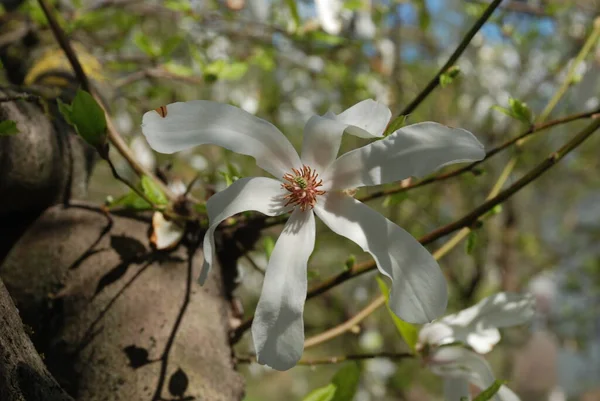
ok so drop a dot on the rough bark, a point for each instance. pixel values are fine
(23, 376)
(42, 165)
(122, 322)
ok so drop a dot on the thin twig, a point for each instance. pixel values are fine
(347, 325)
(117, 176)
(534, 129)
(26, 97)
(337, 359)
(63, 41)
(466, 221)
(113, 134)
(457, 53)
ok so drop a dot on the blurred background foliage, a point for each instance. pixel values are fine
(285, 60)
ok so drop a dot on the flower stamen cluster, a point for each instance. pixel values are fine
(302, 185)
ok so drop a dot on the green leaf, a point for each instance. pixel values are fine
(396, 124)
(520, 110)
(449, 75)
(321, 394)
(143, 43)
(179, 69)
(343, 385)
(86, 115)
(131, 201)
(153, 191)
(489, 392)
(517, 110)
(268, 244)
(353, 5)
(346, 382)
(409, 332)
(8, 128)
(471, 242)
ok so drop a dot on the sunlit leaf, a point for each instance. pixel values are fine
(448, 77)
(153, 191)
(321, 394)
(489, 392)
(269, 245)
(346, 382)
(471, 241)
(86, 115)
(131, 201)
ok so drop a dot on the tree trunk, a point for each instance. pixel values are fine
(23, 376)
(115, 319)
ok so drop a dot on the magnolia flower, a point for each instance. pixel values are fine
(478, 325)
(442, 343)
(316, 182)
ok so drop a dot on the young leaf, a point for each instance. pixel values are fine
(520, 110)
(153, 192)
(143, 43)
(517, 110)
(471, 241)
(294, 11)
(346, 382)
(343, 385)
(395, 124)
(8, 128)
(449, 75)
(409, 332)
(88, 118)
(131, 201)
(350, 263)
(489, 392)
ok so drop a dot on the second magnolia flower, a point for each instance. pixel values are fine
(314, 183)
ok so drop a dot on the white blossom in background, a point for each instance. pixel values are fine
(142, 152)
(451, 346)
(329, 13)
(316, 183)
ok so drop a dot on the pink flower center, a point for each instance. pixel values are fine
(302, 185)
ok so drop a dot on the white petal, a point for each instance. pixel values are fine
(415, 150)
(261, 194)
(323, 134)
(366, 119)
(477, 325)
(458, 362)
(436, 333)
(506, 394)
(482, 341)
(419, 292)
(499, 310)
(328, 12)
(278, 327)
(505, 309)
(200, 122)
(456, 388)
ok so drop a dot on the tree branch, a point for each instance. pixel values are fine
(534, 129)
(434, 83)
